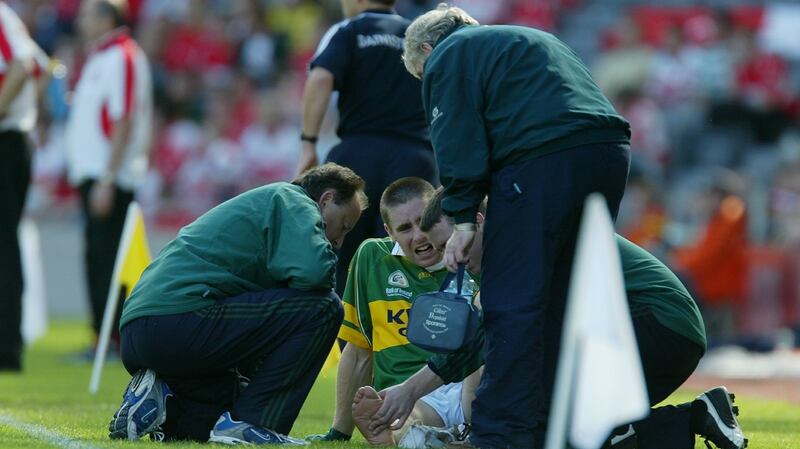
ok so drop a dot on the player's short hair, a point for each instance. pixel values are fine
(433, 212)
(428, 29)
(402, 191)
(116, 10)
(345, 183)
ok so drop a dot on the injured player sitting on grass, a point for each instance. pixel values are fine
(423, 428)
(385, 277)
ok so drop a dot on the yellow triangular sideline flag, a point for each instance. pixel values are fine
(332, 362)
(137, 256)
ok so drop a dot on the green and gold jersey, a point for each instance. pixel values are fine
(381, 286)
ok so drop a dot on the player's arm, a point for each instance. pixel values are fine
(120, 106)
(15, 78)
(355, 366)
(329, 67)
(399, 400)
(355, 371)
(18, 55)
(43, 69)
(456, 366)
(103, 193)
(316, 95)
(453, 106)
(120, 101)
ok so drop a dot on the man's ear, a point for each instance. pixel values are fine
(326, 197)
(426, 48)
(387, 229)
(479, 218)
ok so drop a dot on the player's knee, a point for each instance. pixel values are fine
(425, 414)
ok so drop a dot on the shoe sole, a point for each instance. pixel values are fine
(148, 382)
(730, 399)
(231, 441)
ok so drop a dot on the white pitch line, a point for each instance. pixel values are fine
(45, 434)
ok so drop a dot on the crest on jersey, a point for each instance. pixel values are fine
(435, 114)
(398, 279)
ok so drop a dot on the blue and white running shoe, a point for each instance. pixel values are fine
(228, 431)
(143, 407)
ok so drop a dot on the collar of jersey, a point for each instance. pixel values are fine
(448, 33)
(113, 37)
(380, 11)
(397, 251)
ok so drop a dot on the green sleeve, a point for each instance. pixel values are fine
(456, 366)
(454, 105)
(298, 251)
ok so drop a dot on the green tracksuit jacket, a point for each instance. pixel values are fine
(269, 237)
(495, 95)
(651, 289)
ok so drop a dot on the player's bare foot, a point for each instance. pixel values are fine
(366, 403)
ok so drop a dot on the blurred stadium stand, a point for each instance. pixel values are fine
(711, 89)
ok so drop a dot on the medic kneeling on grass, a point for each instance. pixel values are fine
(227, 329)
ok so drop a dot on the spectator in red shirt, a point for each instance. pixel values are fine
(716, 264)
(199, 44)
(763, 90)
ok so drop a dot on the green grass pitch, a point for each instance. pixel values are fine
(48, 406)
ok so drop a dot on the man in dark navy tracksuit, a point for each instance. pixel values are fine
(516, 115)
(382, 126)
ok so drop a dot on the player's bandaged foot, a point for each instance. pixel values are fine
(366, 403)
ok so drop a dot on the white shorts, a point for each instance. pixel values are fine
(446, 401)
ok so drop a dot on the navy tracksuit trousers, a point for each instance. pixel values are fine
(668, 359)
(15, 175)
(530, 234)
(279, 339)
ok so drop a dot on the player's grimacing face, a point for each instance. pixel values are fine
(404, 229)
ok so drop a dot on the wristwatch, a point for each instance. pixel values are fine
(307, 138)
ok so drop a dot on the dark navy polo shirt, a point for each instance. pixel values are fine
(376, 93)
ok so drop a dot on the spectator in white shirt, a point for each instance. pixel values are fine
(108, 138)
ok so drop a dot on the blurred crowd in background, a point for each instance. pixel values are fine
(712, 93)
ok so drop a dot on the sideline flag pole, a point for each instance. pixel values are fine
(133, 256)
(34, 303)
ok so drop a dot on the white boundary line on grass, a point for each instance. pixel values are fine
(43, 433)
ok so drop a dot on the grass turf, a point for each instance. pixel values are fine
(48, 405)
